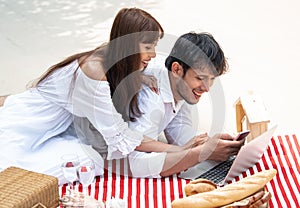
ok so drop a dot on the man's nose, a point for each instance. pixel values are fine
(206, 85)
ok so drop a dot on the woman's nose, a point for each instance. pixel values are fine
(152, 53)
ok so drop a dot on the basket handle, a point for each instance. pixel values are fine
(39, 205)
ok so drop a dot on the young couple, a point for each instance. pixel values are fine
(97, 96)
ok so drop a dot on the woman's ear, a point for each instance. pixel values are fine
(177, 69)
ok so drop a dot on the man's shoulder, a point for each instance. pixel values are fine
(149, 98)
(148, 93)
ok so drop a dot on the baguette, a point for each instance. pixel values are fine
(227, 194)
(198, 186)
(259, 199)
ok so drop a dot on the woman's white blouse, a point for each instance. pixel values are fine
(92, 99)
(30, 119)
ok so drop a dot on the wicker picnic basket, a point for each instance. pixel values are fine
(26, 189)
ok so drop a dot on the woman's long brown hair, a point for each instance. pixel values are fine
(121, 57)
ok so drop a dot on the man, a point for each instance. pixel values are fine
(188, 72)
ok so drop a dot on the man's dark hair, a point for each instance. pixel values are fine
(197, 50)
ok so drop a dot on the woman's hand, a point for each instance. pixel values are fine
(151, 82)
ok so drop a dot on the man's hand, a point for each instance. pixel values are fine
(196, 141)
(220, 147)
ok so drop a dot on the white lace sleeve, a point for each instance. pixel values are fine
(92, 99)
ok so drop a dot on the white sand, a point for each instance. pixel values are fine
(260, 39)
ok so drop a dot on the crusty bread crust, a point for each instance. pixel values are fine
(227, 194)
(198, 186)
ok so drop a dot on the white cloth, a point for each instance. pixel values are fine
(32, 123)
(160, 114)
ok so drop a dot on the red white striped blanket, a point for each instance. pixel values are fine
(283, 154)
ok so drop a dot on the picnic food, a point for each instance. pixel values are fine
(256, 200)
(198, 186)
(227, 194)
(69, 164)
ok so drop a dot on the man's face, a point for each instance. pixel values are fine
(194, 83)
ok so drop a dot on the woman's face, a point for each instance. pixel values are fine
(147, 52)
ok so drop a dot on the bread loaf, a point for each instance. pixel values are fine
(227, 194)
(198, 186)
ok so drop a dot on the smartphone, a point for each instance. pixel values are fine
(242, 135)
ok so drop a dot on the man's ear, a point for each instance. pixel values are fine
(177, 69)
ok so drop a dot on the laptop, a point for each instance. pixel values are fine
(223, 172)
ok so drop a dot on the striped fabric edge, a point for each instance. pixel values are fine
(137, 192)
(283, 155)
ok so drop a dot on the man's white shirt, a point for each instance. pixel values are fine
(159, 111)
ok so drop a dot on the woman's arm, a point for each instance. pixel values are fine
(92, 99)
(151, 145)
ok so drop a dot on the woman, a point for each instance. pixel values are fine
(194, 62)
(36, 126)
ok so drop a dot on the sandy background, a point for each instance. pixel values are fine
(260, 39)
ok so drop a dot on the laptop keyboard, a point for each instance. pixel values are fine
(218, 173)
